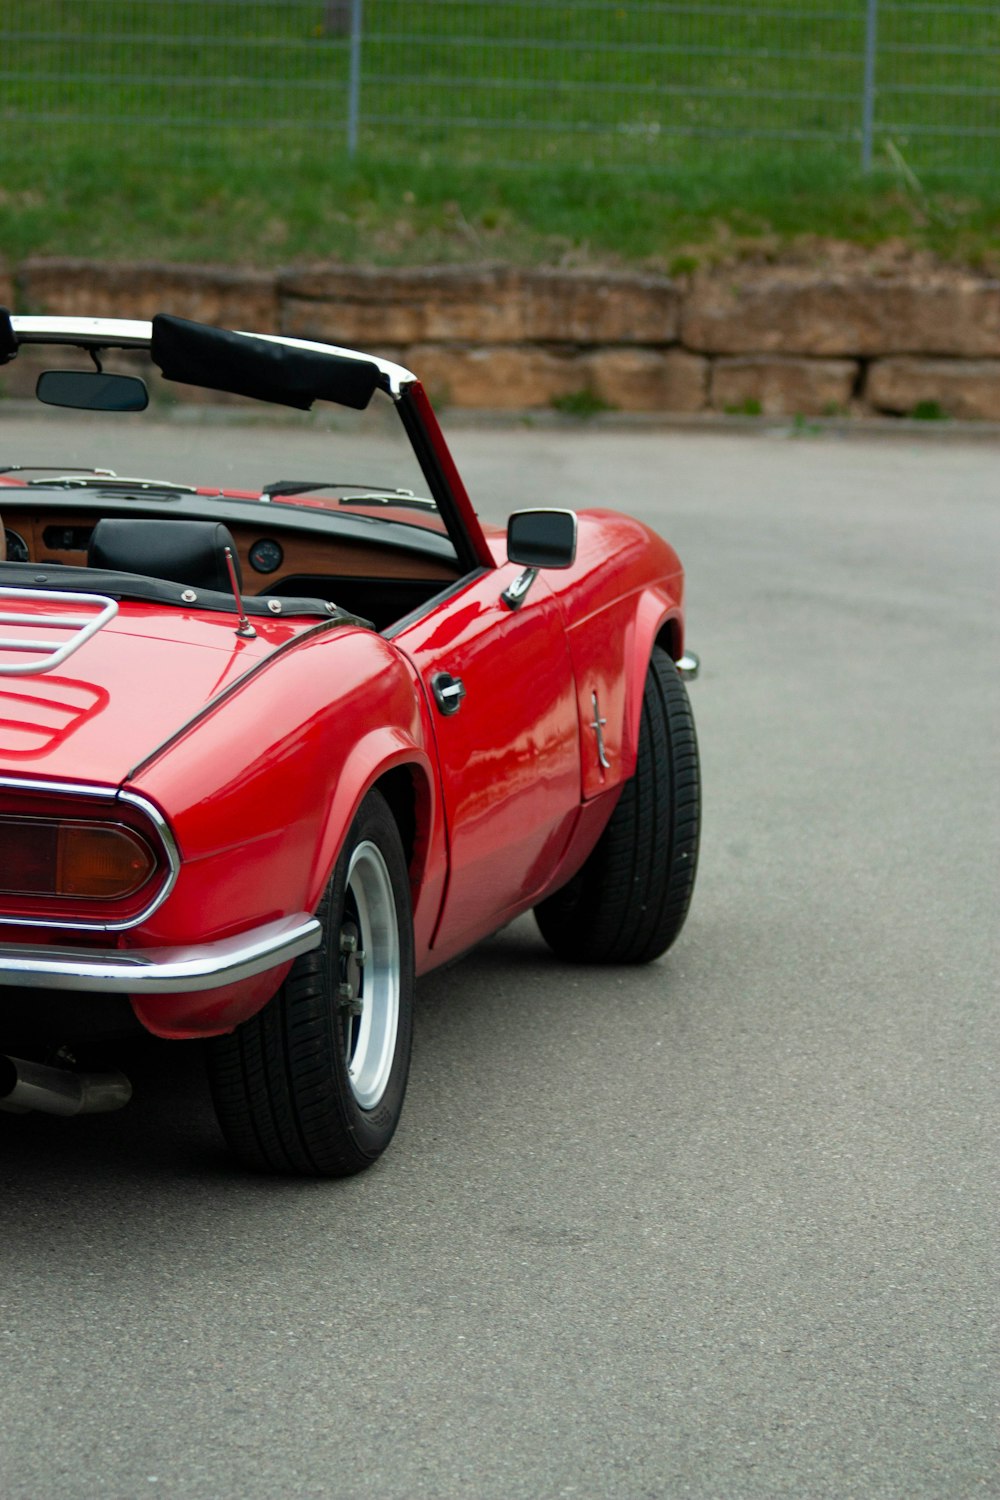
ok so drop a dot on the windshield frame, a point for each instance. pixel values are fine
(400, 384)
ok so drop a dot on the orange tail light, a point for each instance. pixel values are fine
(94, 861)
(78, 860)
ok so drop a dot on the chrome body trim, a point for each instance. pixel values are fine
(597, 724)
(107, 794)
(161, 971)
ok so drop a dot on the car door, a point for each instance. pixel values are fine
(500, 686)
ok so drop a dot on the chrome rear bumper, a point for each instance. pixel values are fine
(160, 971)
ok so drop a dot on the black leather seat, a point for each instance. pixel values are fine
(191, 552)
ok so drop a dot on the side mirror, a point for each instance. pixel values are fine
(542, 538)
(90, 390)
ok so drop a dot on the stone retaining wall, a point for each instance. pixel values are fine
(778, 340)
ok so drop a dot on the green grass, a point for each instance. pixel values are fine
(267, 205)
(929, 411)
(582, 404)
(529, 131)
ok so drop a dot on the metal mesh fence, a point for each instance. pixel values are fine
(518, 81)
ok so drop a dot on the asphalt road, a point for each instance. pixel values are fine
(721, 1227)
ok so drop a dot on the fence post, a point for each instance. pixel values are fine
(354, 81)
(868, 104)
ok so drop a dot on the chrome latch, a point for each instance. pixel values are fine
(448, 692)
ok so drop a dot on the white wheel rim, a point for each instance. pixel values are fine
(370, 1038)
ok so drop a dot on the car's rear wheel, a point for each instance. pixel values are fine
(629, 901)
(314, 1084)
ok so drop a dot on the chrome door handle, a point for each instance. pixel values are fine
(448, 692)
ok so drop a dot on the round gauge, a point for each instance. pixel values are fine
(17, 547)
(266, 556)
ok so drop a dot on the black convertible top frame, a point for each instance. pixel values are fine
(275, 369)
(244, 365)
(139, 588)
(8, 341)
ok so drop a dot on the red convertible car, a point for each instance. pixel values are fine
(272, 747)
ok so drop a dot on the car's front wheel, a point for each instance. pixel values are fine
(629, 901)
(313, 1085)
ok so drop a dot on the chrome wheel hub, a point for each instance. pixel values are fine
(368, 988)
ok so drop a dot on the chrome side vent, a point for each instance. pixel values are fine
(41, 615)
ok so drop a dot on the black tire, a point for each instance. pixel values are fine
(628, 902)
(308, 1087)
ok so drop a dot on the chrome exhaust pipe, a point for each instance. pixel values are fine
(28, 1085)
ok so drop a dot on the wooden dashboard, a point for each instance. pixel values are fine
(267, 554)
(379, 582)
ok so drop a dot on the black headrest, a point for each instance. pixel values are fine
(191, 552)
